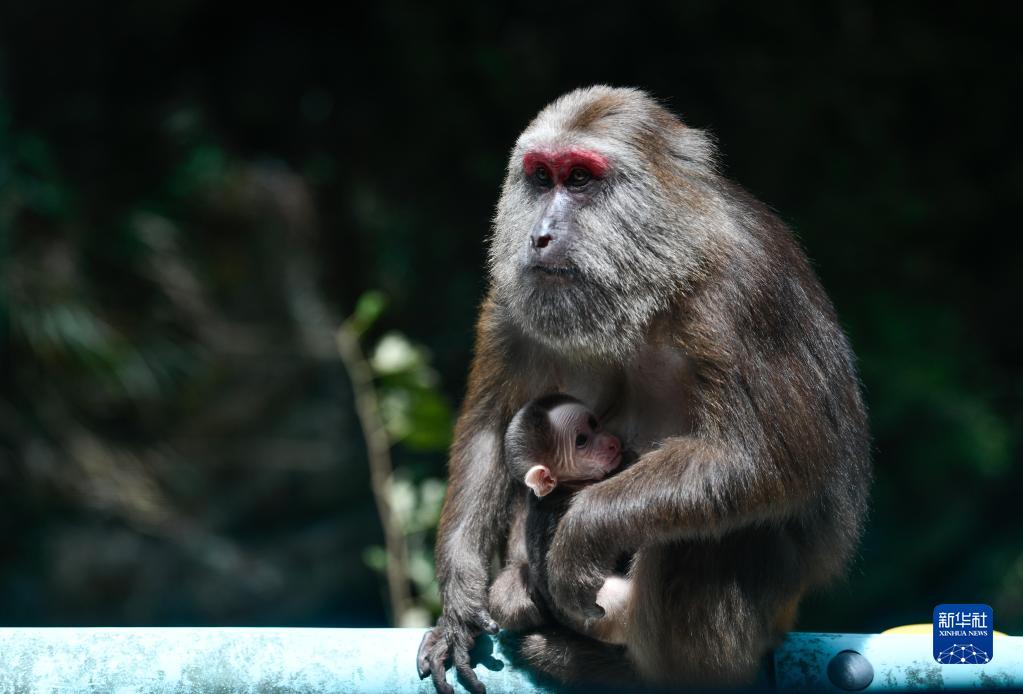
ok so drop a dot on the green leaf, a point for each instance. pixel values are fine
(375, 557)
(368, 309)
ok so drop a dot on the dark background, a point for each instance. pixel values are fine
(193, 197)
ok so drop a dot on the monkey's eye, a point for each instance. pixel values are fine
(581, 439)
(578, 177)
(542, 176)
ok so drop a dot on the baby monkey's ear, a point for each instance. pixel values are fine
(540, 480)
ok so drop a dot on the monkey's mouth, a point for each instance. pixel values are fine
(615, 462)
(610, 466)
(566, 272)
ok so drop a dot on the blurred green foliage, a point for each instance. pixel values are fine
(415, 415)
(193, 197)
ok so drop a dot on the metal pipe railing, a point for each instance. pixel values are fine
(268, 659)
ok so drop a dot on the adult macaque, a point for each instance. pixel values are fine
(627, 272)
(555, 446)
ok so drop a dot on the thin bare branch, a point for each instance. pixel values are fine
(378, 449)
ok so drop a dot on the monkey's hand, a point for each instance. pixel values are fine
(581, 557)
(450, 641)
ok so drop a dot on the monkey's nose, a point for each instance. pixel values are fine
(613, 445)
(541, 241)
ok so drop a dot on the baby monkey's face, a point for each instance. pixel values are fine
(581, 450)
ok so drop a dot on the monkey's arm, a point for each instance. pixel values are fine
(473, 521)
(765, 449)
(475, 518)
(685, 488)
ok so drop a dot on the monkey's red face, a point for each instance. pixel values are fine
(589, 235)
(571, 167)
(564, 181)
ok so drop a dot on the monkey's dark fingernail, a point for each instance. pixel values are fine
(422, 656)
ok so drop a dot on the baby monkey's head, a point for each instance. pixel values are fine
(555, 440)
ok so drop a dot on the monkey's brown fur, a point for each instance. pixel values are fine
(695, 322)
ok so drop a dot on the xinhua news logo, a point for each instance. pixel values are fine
(963, 634)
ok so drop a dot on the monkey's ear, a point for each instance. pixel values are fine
(540, 480)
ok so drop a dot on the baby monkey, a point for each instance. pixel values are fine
(555, 446)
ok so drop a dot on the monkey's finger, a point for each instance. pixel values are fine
(487, 623)
(465, 671)
(439, 674)
(423, 655)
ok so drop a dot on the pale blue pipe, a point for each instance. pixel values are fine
(164, 660)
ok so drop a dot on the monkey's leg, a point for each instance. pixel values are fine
(696, 619)
(510, 602)
(571, 658)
